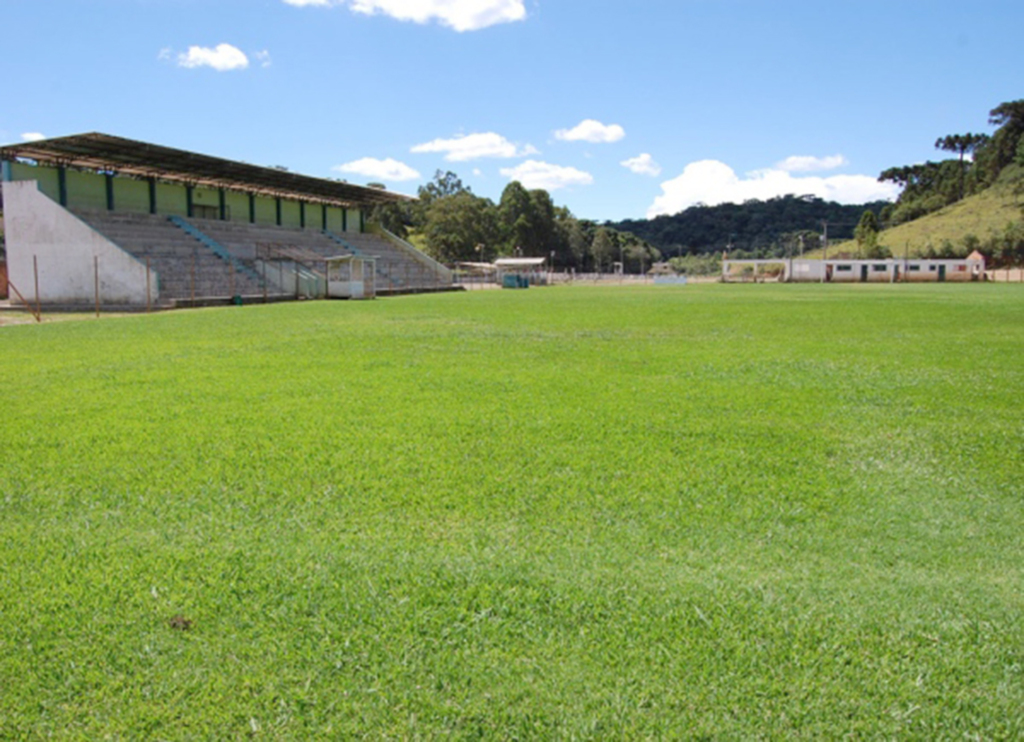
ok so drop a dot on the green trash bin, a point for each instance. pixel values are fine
(514, 281)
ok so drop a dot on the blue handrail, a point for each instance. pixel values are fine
(342, 242)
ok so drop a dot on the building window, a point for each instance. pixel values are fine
(878, 268)
(844, 267)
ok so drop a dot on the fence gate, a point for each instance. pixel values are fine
(369, 280)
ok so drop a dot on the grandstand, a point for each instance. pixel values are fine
(94, 218)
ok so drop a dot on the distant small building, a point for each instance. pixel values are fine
(662, 269)
(530, 269)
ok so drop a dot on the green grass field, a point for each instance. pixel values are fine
(655, 512)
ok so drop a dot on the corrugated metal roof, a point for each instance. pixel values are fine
(519, 262)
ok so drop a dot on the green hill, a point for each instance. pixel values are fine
(979, 215)
(761, 226)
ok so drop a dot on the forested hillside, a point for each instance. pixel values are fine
(755, 227)
(950, 208)
(946, 209)
(988, 221)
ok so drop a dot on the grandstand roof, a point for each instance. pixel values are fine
(103, 152)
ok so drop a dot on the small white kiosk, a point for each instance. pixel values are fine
(351, 277)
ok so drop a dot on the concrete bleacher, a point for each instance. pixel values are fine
(242, 239)
(398, 269)
(185, 268)
(253, 256)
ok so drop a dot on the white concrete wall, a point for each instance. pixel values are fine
(64, 248)
(808, 270)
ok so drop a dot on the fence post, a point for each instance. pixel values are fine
(148, 296)
(35, 273)
(194, 259)
(96, 281)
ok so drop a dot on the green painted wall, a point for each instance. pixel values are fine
(206, 197)
(131, 195)
(266, 211)
(89, 191)
(334, 219)
(170, 199)
(314, 216)
(47, 177)
(86, 190)
(238, 206)
(290, 214)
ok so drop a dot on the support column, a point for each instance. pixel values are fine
(188, 201)
(277, 204)
(302, 214)
(323, 213)
(5, 172)
(252, 208)
(362, 221)
(62, 185)
(110, 191)
(152, 195)
(344, 219)
(222, 202)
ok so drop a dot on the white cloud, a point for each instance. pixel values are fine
(460, 15)
(712, 182)
(32, 136)
(475, 146)
(223, 57)
(534, 174)
(371, 167)
(263, 58)
(642, 164)
(478, 172)
(592, 131)
(810, 164)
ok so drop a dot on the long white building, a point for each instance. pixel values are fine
(845, 270)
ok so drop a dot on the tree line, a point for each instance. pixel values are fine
(452, 224)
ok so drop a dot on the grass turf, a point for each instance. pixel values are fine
(719, 511)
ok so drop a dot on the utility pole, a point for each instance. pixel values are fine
(824, 249)
(789, 259)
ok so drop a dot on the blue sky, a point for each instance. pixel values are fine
(619, 109)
